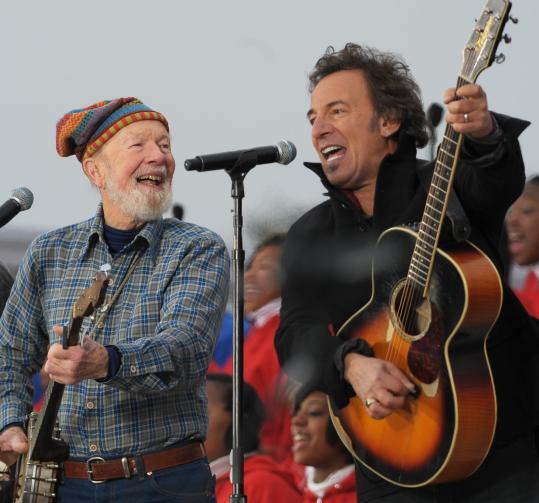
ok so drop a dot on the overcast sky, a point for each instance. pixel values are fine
(228, 74)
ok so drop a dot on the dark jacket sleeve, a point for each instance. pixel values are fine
(491, 176)
(304, 341)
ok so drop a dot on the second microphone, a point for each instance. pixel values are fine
(284, 152)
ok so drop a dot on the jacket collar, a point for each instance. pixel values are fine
(396, 183)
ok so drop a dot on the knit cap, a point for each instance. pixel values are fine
(83, 131)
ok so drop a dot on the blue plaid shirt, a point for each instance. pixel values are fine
(164, 324)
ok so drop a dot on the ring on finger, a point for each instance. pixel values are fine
(466, 118)
(369, 401)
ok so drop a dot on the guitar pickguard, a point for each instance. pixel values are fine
(425, 354)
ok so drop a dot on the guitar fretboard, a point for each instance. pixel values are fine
(420, 269)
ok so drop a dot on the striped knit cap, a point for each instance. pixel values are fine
(83, 131)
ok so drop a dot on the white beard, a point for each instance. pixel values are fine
(141, 205)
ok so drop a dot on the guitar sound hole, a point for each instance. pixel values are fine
(411, 312)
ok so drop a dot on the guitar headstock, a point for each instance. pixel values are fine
(92, 297)
(86, 305)
(481, 48)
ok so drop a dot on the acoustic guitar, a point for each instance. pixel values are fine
(430, 314)
(36, 473)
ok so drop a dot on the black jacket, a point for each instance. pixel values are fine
(327, 266)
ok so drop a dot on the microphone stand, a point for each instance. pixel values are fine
(237, 173)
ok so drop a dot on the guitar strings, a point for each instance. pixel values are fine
(406, 312)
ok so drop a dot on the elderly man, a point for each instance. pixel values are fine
(135, 399)
(366, 121)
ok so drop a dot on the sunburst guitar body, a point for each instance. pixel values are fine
(446, 431)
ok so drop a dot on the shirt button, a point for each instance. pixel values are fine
(133, 368)
(93, 448)
(90, 405)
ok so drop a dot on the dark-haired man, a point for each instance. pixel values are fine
(367, 120)
(134, 409)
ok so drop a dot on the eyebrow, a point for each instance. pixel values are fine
(329, 105)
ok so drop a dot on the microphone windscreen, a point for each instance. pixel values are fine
(23, 196)
(287, 151)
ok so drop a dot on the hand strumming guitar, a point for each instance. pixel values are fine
(378, 383)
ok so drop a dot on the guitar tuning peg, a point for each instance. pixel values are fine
(499, 58)
(513, 19)
(506, 38)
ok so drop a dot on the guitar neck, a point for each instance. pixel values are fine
(41, 444)
(421, 264)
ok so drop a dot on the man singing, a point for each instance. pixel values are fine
(366, 121)
(135, 399)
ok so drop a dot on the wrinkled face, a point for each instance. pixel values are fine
(219, 420)
(262, 278)
(134, 172)
(522, 224)
(346, 132)
(309, 427)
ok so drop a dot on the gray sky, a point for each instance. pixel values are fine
(228, 75)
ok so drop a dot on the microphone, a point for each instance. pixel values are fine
(434, 114)
(284, 152)
(21, 199)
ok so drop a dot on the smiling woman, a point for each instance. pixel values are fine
(329, 472)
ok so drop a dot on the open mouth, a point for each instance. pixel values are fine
(153, 180)
(299, 440)
(516, 241)
(333, 152)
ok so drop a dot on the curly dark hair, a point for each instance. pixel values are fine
(393, 90)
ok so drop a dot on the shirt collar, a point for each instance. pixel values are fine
(263, 314)
(320, 488)
(149, 235)
(220, 466)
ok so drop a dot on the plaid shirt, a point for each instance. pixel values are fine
(164, 324)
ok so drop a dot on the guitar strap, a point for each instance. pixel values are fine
(460, 225)
(99, 320)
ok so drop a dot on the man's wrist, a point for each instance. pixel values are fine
(351, 346)
(114, 361)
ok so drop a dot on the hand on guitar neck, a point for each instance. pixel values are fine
(467, 111)
(70, 366)
(381, 386)
(13, 442)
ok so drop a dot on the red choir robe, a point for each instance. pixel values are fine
(264, 481)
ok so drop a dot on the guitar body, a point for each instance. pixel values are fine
(37, 478)
(445, 433)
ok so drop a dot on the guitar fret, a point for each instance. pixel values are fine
(433, 208)
(429, 243)
(444, 165)
(420, 281)
(437, 199)
(421, 268)
(430, 226)
(451, 140)
(421, 241)
(437, 191)
(446, 152)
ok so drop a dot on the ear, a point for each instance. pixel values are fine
(388, 126)
(94, 170)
